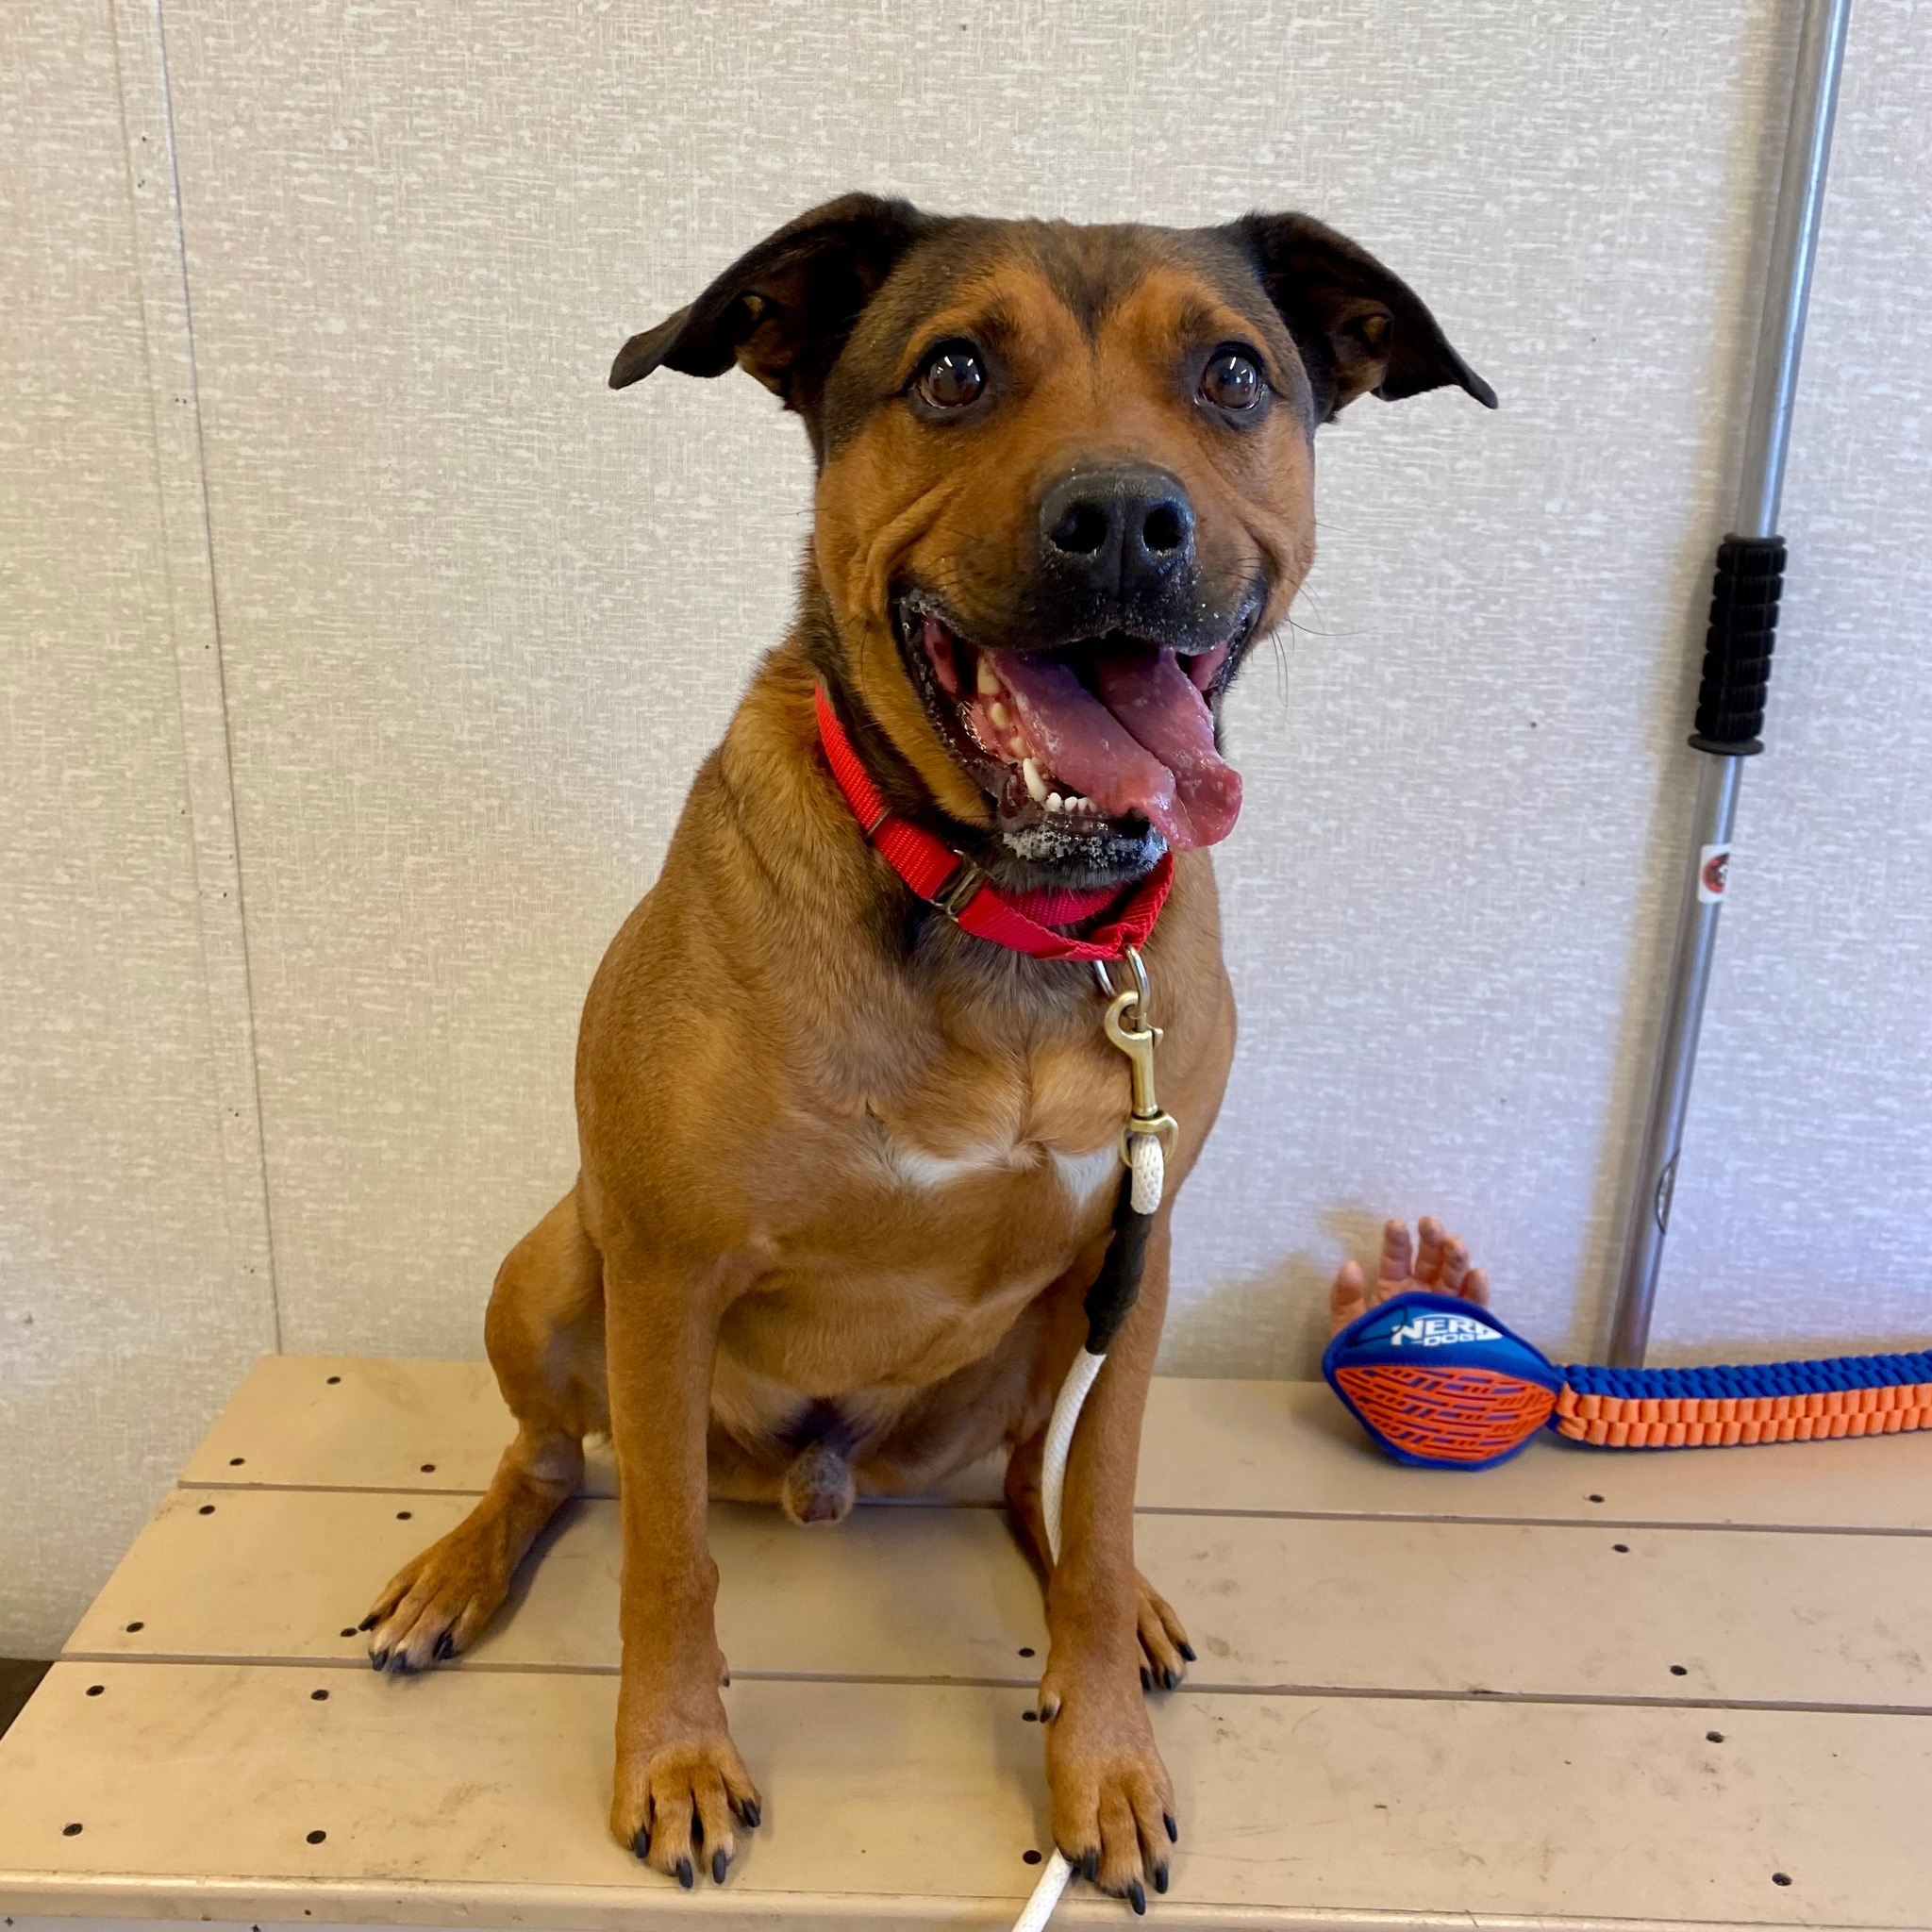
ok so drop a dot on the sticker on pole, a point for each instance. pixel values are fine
(1714, 873)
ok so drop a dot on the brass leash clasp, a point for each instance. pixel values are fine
(1136, 1040)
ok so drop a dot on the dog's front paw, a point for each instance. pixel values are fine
(677, 1798)
(1112, 1801)
(1165, 1652)
(438, 1603)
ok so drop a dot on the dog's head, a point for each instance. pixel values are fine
(1064, 483)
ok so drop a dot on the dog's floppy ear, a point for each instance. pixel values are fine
(1359, 328)
(783, 311)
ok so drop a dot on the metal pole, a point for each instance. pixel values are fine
(1780, 340)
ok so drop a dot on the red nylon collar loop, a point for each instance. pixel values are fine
(963, 892)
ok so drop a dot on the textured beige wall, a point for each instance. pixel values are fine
(133, 1282)
(479, 619)
(482, 618)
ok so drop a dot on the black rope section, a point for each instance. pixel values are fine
(1117, 1287)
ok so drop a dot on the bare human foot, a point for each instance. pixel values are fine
(1440, 1267)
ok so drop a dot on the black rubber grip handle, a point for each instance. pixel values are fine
(1744, 595)
(1118, 1285)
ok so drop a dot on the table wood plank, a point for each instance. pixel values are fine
(369, 1422)
(280, 1576)
(1291, 1447)
(1276, 1448)
(481, 1797)
(1346, 1603)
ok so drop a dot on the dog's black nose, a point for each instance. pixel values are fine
(1119, 530)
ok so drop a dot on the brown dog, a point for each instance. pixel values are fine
(845, 1171)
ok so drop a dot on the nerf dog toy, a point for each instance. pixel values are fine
(1436, 1380)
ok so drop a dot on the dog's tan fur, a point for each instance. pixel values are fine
(845, 1173)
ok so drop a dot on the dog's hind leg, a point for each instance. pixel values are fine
(545, 1337)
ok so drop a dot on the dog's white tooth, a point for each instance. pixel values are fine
(1016, 747)
(1055, 802)
(999, 714)
(1079, 805)
(989, 686)
(1035, 785)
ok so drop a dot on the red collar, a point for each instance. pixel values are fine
(964, 893)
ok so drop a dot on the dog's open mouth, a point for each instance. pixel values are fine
(1084, 737)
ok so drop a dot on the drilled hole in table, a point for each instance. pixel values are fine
(315, 1838)
(1780, 1877)
(1621, 1549)
(1596, 1499)
(318, 1696)
(206, 1509)
(1713, 1737)
(429, 1469)
(1025, 1650)
(136, 1625)
(1679, 1670)
(403, 1515)
(333, 1380)
(236, 1461)
(1030, 1717)
(349, 1630)
(1030, 1858)
(74, 1831)
(95, 1690)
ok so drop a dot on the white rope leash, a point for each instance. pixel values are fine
(1149, 1167)
(1047, 1894)
(1059, 1441)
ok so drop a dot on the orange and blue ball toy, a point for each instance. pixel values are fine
(1437, 1381)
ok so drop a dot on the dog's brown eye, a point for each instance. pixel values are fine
(952, 378)
(1232, 380)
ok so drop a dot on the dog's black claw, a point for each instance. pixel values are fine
(640, 1843)
(1169, 1677)
(378, 1659)
(751, 1814)
(719, 1861)
(1136, 1897)
(1160, 1878)
(1186, 1649)
(370, 1622)
(686, 1876)
(1089, 1866)
(1173, 1831)
(446, 1647)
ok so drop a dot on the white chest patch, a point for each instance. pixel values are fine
(1084, 1175)
(919, 1169)
(1081, 1174)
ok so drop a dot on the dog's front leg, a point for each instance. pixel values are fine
(1112, 1801)
(679, 1781)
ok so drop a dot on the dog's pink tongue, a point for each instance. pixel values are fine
(1149, 747)
(1085, 744)
(1163, 707)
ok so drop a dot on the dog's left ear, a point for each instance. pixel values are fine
(1359, 328)
(783, 311)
